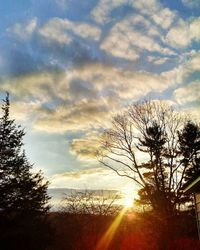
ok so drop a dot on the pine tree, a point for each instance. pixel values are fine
(189, 141)
(21, 191)
(153, 142)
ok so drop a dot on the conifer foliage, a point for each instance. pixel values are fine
(21, 191)
(189, 141)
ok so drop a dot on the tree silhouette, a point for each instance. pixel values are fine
(92, 202)
(153, 145)
(20, 189)
(189, 141)
(23, 194)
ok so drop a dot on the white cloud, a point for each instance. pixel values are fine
(119, 45)
(21, 110)
(84, 112)
(156, 20)
(184, 33)
(31, 86)
(146, 6)
(125, 40)
(24, 31)
(193, 64)
(101, 12)
(181, 72)
(104, 89)
(161, 16)
(105, 78)
(189, 93)
(195, 29)
(82, 116)
(164, 18)
(89, 95)
(55, 30)
(61, 30)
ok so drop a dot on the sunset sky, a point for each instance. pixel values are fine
(70, 65)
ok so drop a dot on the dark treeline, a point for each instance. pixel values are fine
(143, 231)
(85, 220)
(66, 231)
(166, 219)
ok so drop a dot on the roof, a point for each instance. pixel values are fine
(192, 187)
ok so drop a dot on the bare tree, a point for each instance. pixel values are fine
(143, 145)
(91, 202)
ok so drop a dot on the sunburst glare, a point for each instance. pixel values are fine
(128, 202)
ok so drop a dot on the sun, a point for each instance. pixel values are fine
(128, 202)
(128, 196)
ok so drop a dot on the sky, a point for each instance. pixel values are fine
(70, 65)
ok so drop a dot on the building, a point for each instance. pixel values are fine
(194, 187)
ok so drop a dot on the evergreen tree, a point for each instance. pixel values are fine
(21, 191)
(23, 195)
(189, 141)
(155, 192)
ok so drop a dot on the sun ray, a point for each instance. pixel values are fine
(109, 234)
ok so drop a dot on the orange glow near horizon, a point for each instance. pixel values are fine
(109, 234)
